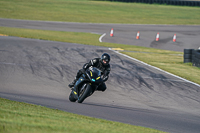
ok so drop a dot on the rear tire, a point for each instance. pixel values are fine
(187, 51)
(187, 60)
(85, 93)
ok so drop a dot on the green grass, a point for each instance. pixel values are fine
(22, 117)
(98, 12)
(170, 61)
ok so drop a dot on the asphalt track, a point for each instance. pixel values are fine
(38, 71)
(187, 35)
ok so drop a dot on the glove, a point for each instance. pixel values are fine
(105, 78)
(85, 66)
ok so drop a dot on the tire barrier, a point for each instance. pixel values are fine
(166, 2)
(187, 55)
(193, 56)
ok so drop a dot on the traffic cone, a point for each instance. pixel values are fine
(111, 32)
(138, 35)
(174, 38)
(157, 37)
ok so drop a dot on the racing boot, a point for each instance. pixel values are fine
(73, 83)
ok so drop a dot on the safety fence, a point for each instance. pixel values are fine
(192, 55)
(166, 2)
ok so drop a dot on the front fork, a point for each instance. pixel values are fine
(93, 90)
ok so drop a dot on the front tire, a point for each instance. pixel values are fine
(85, 93)
(71, 97)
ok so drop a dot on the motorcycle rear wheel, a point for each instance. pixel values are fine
(85, 93)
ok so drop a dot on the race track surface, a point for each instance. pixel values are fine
(38, 71)
(187, 36)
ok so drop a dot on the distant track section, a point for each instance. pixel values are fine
(166, 2)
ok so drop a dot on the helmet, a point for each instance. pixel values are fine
(105, 59)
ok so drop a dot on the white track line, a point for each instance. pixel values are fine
(100, 39)
(155, 67)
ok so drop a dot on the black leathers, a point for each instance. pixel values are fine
(96, 62)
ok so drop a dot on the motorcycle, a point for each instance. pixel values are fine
(86, 85)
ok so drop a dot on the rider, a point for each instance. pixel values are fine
(101, 63)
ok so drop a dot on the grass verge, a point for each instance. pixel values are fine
(98, 12)
(170, 61)
(23, 118)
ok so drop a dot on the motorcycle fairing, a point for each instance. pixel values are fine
(79, 81)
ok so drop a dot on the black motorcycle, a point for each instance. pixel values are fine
(86, 85)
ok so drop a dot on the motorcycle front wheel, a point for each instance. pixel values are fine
(71, 97)
(84, 93)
